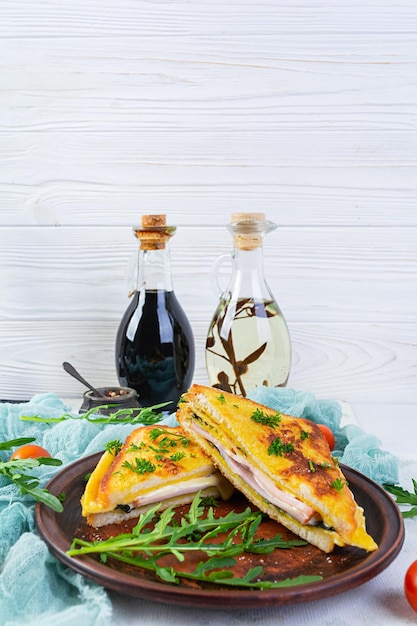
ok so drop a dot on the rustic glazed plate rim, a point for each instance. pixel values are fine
(381, 511)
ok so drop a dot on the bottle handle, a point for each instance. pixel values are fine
(215, 272)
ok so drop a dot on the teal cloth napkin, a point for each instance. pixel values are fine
(35, 588)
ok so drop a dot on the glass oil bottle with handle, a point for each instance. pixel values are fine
(155, 352)
(248, 343)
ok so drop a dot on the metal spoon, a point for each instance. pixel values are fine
(70, 369)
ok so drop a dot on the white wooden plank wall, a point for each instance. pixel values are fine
(304, 110)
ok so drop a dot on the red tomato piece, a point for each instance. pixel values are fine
(328, 433)
(29, 451)
(410, 585)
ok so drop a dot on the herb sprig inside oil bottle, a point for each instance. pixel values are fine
(248, 342)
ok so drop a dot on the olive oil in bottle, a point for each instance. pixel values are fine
(248, 343)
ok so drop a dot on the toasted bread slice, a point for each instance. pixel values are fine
(282, 464)
(155, 465)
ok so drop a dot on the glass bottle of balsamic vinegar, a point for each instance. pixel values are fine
(155, 352)
(248, 343)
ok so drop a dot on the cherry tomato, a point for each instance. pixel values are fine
(410, 585)
(328, 433)
(29, 451)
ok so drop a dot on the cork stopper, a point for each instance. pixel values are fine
(154, 233)
(247, 217)
(248, 230)
(150, 221)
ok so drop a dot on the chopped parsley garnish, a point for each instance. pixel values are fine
(221, 398)
(177, 456)
(324, 465)
(164, 446)
(304, 435)
(170, 437)
(314, 464)
(141, 466)
(114, 447)
(268, 420)
(338, 484)
(168, 440)
(134, 447)
(278, 448)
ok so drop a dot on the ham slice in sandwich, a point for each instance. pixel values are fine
(282, 464)
(156, 464)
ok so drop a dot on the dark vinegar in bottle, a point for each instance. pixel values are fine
(155, 348)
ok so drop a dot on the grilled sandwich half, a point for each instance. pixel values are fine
(155, 465)
(282, 464)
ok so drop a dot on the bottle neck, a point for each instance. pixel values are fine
(248, 280)
(154, 270)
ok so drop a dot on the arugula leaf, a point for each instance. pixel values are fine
(145, 546)
(266, 546)
(144, 415)
(11, 443)
(404, 497)
(15, 470)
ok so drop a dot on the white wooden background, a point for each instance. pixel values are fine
(303, 109)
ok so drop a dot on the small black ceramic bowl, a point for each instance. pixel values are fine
(115, 397)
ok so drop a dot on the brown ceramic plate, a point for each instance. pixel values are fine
(342, 570)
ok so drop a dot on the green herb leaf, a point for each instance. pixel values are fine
(168, 440)
(144, 415)
(16, 471)
(268, 420)
(177, 456)
(12, 443)
(235, 532)
(141, 466)
(114, 446)
(404, 497)
(278, 448)
(338, 484)
(209, 501)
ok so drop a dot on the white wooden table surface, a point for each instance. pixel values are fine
(304, 110)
